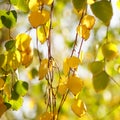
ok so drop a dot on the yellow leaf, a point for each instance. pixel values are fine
(109, 50)
(88, 21)
(73, 62)
(37, 18)
(66, 67)
(78, 107)
(83, 31)
(62, 89)
(63, 79)
(3, 108)
(27, 57)
(1, 83)
(41, 34)
(7, 90)
(14, 59)
(22, 41)
(75, 84)
(43, 69)
(33, 5)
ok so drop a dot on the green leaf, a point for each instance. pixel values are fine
(2, 12)
(21, 87)
(16, 104)
(10, 44)
(15, 96)
(79, 4)
(9, 19)
(93, 67)
(33, 73)
(103, 10)
(20, 4)
(7, 105)
(100, 81)
(69, 43)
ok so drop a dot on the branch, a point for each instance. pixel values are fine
(49, 36)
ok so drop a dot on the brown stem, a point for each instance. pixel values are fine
(62, 102)
(76, 36)
(49, 36)
(80, 47)
(107, 34)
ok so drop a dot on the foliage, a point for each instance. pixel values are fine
(60, 85)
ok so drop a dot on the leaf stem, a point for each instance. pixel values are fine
(107, 34)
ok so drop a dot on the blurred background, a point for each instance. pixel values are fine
(104, 105)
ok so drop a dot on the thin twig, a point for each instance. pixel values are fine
(73, 50)
(80, 47)
(107, 34)
(103, 118)
(49, 36)
(115, 81)
(76, 36)
(62, 102)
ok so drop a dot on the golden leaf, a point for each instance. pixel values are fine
(78, 107)
(73, 62)
(88, 21)
(33, 5)
(7, 90)
(22, 41)
(43, 69)
(83, 31)
(27, 57)
(74, 84)
(41, 34)
(37, 18)
(66, 67)
(62, 89)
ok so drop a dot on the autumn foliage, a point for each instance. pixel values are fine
(59, 83)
